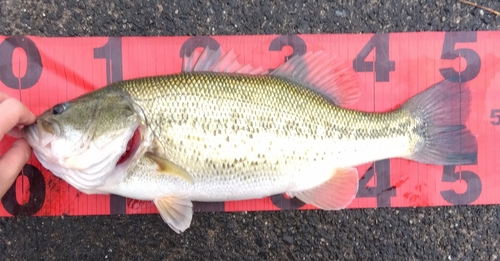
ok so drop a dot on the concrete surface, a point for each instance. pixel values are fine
(445, 233)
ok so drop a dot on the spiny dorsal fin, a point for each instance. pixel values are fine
(321, 72)
(209, 61)
(324, 73)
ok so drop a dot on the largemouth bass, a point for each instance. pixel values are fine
(222, 131)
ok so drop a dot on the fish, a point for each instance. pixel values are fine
(222, 131)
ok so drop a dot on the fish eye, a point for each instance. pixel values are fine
(59, 108)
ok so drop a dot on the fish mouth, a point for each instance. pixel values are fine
(132, 146)
(32, 134)
(41, 133)
(48, 126)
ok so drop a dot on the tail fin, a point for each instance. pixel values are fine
(442, 110)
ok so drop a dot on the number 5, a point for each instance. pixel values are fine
(474, 186)
(449, 53)
(495, 114)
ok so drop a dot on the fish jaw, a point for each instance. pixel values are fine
(86, 170)
(41, 144)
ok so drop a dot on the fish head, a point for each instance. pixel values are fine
(88, 139)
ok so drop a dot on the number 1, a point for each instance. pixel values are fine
(112, 52)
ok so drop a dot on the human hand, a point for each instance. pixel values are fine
(13, 116)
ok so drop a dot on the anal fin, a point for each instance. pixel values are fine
(335, 194)
(177, 212)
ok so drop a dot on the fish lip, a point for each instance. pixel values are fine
(45, 124)
(46, 130)
(30, 133)
(38, 136)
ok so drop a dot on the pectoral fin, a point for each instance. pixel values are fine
(168, 167)
(335, 194)
(177, 212)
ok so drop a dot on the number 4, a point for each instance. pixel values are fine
(383, 190)
(382, 66)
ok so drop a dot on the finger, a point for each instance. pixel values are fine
(16, 132)
(3, 96)
(14, 113)
(11, 164)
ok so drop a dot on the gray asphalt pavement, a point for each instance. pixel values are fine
(440, 233)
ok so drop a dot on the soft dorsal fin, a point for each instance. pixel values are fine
(324, 73)
(215, 61)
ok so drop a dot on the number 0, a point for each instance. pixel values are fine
(34, 63)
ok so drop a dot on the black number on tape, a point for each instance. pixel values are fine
(282, 202)
(450, 53)
(474, 186)
(383, 66)
(208, 206)
(36, 190)
(194, 42)
(34, 62)
(298, 45)
(383, 190)
(112, 52)
(495, 114)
